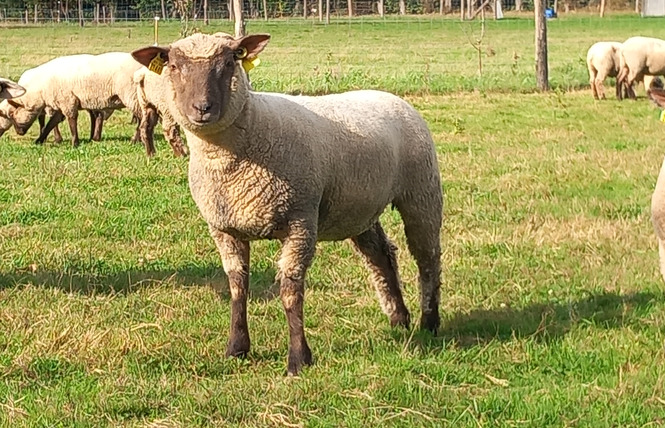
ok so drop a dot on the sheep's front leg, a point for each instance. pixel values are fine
(72, 119)
(297, 253)
(52, 124)
(235, 259)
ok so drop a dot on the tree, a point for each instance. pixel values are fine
(238, 18)
(541, 46)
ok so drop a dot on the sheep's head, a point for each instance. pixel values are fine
(5, 121)
(9, 89)
(22, 117)
(203, 72)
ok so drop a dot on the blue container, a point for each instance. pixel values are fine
(550, 13)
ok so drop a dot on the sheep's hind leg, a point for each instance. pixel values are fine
(379, 255)
(235, 259)
(422, 227)
(147, 129)
(297, 253)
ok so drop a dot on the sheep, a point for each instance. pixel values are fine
(301, 169)
(91, 82)
(602, 60)
(640, 56)
(9, 89)
(657, 94)
(150, 95)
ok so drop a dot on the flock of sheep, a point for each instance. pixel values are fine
(266, 166)
(294, 168)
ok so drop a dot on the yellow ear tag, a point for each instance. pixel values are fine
(249, 64)
(156, 65)
(662, 116)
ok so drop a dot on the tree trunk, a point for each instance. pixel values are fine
(541, 45)
(402, 7)
(327, 11)
(265, 9)
(448, 5)
(382, 8)
(96, 19)
(461, 10)
(350, 7)
(81, 13)
(602, 8)
(304, 9)
(35, 17)
(205, 12)
(231, 13)
(320, 10)
(238, 18)
(637, 6)
(163, 4)
(518, 5)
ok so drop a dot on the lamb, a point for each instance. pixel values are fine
(301, 169)
(92, 82)
(150, 95)
(602, 60)
(9, 89)
(640, 57)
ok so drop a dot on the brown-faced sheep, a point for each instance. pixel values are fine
(301, 169)
(657, 95)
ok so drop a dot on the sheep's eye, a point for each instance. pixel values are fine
(229, 63)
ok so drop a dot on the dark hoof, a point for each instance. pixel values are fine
(430, 322)
(297, 360)
(237, 347)
(402, 319)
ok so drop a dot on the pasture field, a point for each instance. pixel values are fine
(114, 308)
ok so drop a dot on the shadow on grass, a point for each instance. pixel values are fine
(260, 281)
(539, 321)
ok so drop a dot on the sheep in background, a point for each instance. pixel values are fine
(151, 94)
(639, 58)
(302, 170)
(602, 60)
(91, 82)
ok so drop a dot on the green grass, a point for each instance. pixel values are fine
(114, 308)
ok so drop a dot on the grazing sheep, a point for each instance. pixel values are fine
(90, 82)
(301, 169)
(640, 56)
(9, 89)
(150, 94)
(602, 60)
(657, 95)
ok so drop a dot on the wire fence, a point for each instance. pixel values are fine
(109, 13)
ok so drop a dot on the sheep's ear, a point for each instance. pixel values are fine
(147, 55)
(253, 45)
(9, 89)
(657, 95)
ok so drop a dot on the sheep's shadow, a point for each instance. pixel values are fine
(261, 282)
(545, 322)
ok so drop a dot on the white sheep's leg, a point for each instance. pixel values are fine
(379, 255)
(235, 259)
(50, 125)
(422, 216)
(147, 129)
(297, 253)
(599, 89)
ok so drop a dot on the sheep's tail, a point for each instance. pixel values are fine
(622, 76)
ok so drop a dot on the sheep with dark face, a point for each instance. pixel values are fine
(301, 169)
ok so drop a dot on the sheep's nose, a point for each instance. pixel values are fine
(202, 107)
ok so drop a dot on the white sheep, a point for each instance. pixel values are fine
(9, 89)
(150, 95)
(68, 84)
(301, 170)
(640, 58)
(657, 95)
(602, 60)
